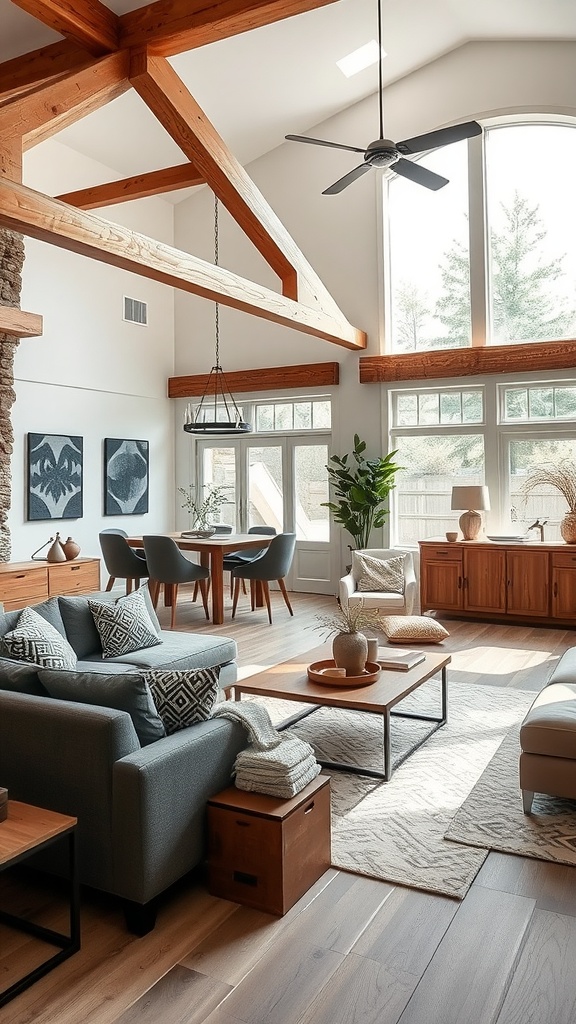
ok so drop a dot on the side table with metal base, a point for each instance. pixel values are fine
(26, 831)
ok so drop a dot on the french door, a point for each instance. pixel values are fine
(279, 482)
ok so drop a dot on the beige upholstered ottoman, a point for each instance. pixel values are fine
(548, 737)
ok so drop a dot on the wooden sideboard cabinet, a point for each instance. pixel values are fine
(24, 583)
(534, 582)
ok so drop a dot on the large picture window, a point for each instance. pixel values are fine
(494, 265)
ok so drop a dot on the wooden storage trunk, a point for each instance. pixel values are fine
(265, 852)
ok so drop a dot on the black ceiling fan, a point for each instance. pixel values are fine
(385, 153)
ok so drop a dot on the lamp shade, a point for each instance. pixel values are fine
(474, 497)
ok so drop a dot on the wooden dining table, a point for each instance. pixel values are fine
(212, 551)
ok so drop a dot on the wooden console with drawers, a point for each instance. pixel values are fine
(24, 583)
(530, 583)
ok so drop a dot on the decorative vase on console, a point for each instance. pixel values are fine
(71, 549)
(350, 646)
(562, 476)
(56, 551)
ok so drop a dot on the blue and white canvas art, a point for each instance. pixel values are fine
(125, 477)
(54, 476)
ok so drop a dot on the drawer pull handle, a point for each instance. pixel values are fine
(245, 879)
(74, 568)
(21, 576)
(555, 590)
(243, 824)
(309, 808)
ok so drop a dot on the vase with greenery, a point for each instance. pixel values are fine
(350, 646)
(202, 512)
(562, 476)
(361, 487)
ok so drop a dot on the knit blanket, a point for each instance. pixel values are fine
(255, 720)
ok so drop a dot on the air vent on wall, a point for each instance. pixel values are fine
(135, 311)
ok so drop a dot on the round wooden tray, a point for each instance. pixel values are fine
(316, 675)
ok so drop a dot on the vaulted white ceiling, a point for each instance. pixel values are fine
(260, 85)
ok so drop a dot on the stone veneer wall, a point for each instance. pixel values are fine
(11, 264)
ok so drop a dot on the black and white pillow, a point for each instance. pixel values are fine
(34, 639)
(125, 626)
(185, 697)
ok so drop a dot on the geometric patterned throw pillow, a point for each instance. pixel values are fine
(34, 639)
(377, 574)
(124, 627)
(183, 697)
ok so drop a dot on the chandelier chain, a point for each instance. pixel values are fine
(216, 305)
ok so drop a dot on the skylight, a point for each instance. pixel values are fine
(359, 59)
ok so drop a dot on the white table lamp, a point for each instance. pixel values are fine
(474, 499)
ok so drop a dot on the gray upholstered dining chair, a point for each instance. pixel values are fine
(121, 561)
(273, 564)
(170, 567)
(235, 558)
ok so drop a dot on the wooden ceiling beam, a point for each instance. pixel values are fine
(168, 98)
(434, 364)
(19, 324)
(173, 26)
(38, 66)
(38, 216)
(11, 158)
(139, 186)
(46, 110)
(86, 22)
(268, 378)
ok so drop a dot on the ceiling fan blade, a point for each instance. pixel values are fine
(321, 142)
(342, 183)
(442, 137)
(421, 175)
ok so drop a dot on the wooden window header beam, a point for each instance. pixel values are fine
(270, 378)
(468, 362)
(86, 22)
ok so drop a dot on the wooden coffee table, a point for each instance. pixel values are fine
(289, 681)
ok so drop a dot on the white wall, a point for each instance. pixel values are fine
(339, 234)
(90, 373)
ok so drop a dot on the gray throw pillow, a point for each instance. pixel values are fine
(125, 626)
(378, 574)
(125, 691)
(183, 698)
(34, 639)
(20, 677)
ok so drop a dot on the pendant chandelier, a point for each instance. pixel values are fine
(217, 395)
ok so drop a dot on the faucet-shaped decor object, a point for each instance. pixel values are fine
(539, 526)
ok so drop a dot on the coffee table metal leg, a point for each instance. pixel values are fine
(386, 738)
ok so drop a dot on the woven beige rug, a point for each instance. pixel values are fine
(395, 830)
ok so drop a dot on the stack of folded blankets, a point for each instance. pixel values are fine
(274, 763)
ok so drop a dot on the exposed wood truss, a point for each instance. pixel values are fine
(468, 362)
(19, 324)
(271, 378)
(101, 57)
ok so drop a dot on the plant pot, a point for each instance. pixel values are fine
(568, 528)
(350, 651)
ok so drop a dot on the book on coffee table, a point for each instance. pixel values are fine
(402, 660)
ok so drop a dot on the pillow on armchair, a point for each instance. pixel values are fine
(375, 574)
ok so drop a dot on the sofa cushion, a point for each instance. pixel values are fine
(415, 628)
(178, 650)
(183, 698)
(79, 622)
(377, 574)
(124, 626)
(125, 692)
(35, 639)
(20, 677)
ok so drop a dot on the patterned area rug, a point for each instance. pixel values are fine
(492, 816)
(395, 830)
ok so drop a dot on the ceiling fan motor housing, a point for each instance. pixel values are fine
(381, 153)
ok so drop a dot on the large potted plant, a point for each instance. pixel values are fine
(361, 487)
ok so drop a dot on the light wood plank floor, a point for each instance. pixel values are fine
(353, 950)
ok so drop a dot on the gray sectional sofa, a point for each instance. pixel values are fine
(140, 808)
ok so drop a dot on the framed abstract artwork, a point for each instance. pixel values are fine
(55, 464)
(125, 477)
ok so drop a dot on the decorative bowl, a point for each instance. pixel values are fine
(198, 533)
(317, 674)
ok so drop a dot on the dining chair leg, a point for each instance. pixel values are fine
(128, 586)
(204, 592)
(195, 594)
(282, 586)
(110, 583)
(174, 604)
(154, 588)
(236, 593)
(266, 592)
(253, 590)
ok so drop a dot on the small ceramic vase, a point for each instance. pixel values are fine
(71, 549)
(350, 651)
(568, 528)
(56, 551)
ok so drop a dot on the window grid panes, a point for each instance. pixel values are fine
(305, 414)
(543, 402)
(412, 409)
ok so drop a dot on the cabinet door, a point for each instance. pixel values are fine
(441, 584)
(528, 582)
(484, 579)
(563, 592)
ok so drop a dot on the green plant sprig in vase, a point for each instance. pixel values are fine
(350, 646)
(202, 512)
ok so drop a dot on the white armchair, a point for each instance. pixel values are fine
(388, 603)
